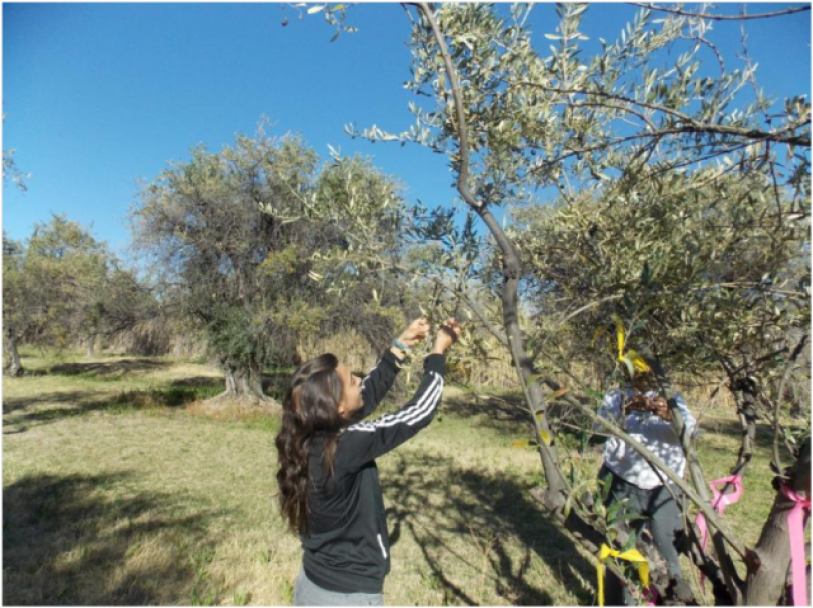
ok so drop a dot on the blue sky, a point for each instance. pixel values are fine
(99, 96)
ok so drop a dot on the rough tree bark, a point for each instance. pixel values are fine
(244, 383)
(12, 366)
(769, 561)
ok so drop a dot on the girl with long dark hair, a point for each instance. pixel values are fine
(329, 489)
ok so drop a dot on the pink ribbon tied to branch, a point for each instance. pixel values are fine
(796, 533)
(718, 503)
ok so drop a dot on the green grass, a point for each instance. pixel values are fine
(120, 488)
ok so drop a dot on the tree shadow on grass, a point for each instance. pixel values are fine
(199, 382)
(20, 414)
(499, 410)
(18, 404)
(88, 540)
(492, 513)
(109, 368)
(53, 407)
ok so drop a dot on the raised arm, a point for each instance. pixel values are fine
(377, 383)
(366, 441)
(688, 419)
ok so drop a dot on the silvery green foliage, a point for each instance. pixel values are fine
(614, 127)
(62, 286)
(334, 15)
(625, 136)
(699, 275)
(12, 172)
(260, 244)
(558, 118)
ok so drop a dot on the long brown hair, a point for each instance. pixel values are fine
(310, 407)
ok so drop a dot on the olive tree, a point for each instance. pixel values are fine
(77, 266)
(63, 287)
(11, 251)
(710, 280)
(608, 129)
(247, 238)
(17, 312)
(713, 277)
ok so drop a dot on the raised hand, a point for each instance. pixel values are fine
(415, 333)
(448, 334)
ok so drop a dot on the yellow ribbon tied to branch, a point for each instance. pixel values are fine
(630, 358)
(634, 361)
(633, 555)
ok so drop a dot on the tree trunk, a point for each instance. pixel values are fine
(12, 366)
(91, 345)
(556, 492)
(244, 383)
(769, 562)
(299, 354)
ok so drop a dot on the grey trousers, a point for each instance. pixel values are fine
(308, 593)
(661, 517)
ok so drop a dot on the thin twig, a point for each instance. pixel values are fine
(776, 426)
(677, 11)
(473, 306)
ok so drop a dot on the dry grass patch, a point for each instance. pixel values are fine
(137, 509)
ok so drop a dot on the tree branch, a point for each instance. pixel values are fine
(473, 306)
(557, 484)
(462, 129)
(788, 368)
(729, 570)
(677, 11)
(692, 125)
(657, 464)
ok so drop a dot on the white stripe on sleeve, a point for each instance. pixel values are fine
(412, 414)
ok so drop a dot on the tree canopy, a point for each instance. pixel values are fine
(250, 237)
